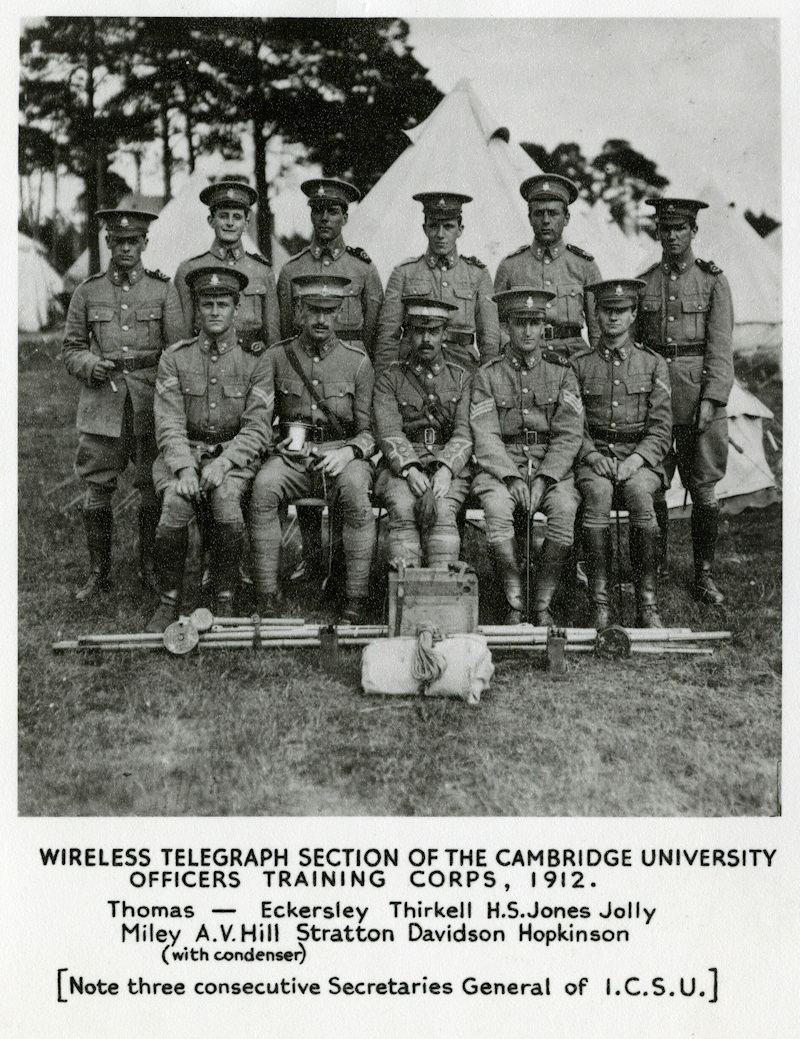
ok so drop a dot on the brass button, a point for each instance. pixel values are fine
(125, 349)
(124, 307)
(213, 405)
(124, 328)
(315, 382)
(213, 381)
(313, 407)
(616, 382)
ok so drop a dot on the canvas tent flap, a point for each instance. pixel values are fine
(38, 286)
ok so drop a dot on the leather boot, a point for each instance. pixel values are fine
(270, 605)
(705, 527)
(644, 547)
(228, 543)
(171, 545)
(552, 560)
(505, 558)
(662, 519)
(356, 610)
(98, 525)
(148, 521)
(597, 559)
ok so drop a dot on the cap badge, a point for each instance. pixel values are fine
(442, 203)
(529, 302)
(671, 208)
(618, 290)
(229, 193)
(325, 290)
(546, 186)
(321, 190)
(214, 279)
(123, 222)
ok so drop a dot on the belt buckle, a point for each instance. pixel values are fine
(531, 433)
(429, 436)
(317, 434)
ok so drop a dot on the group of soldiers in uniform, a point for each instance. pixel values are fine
(234, 396)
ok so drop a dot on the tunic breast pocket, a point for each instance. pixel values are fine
(637, 392)
(251, 308)
(570, 305)
(289, 400)
(193, 384)
(464, 299)
(350, 316)
(233, 398)
(339, 397)
(100, 318)
(148, 327)
(508, 411)
(596, 394)
(693, 322)
(545, 399)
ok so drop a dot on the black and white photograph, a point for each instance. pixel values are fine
(578, 603)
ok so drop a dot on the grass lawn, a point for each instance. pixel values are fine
(237, 733)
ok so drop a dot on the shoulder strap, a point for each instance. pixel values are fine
(294, 361)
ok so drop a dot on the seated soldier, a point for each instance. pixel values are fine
(324, 385)
(213, 414)
(421, 409)
(527, 421)
(627, 437)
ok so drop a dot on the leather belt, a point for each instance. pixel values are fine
(528, 437)
(628, 435)
(134, 364)
(459, 338)
(566, 331)
(212, 436)
(678, 349)
(315, 433)
(427, 435)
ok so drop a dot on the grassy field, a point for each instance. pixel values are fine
(237, 733)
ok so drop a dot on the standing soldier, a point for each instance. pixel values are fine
(472, 333)
(325, 386)
(213, 415)
(527, 425)
(328, 254)
(628, 434)
(257, 320)
(549, 263)
(117, 325)
(358, 317)
(421, 408)
(686, 316)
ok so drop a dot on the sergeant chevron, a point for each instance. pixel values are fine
(292, 911)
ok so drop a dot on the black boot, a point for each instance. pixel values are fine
(552, 560)
(705, 527)
(662, 519)
(505, 558)
(171, 545)
(228, 542)
(597, 559)
(270, 605)
(315, 563)
(148, 521)
(99, 526)
(644, 548)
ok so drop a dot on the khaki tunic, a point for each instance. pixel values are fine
(358, 317)
(465, 283)
(126, 318)
(258, 317)
(565, 270)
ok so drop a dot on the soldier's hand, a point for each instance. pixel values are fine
(518, 490)
(333, 462)
(628, 466)
(214, 473)
(604, 466)
(101, 371)
(442, 479)
(417, 481)
(538, 487)
(188, 484)
(708, 411)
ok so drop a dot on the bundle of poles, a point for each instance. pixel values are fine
(203, 631)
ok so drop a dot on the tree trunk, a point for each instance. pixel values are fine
(54, 239)
(166, 153)
(189, 129)
(264, 213)
(90, 174)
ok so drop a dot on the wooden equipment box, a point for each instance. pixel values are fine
(446, 597)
